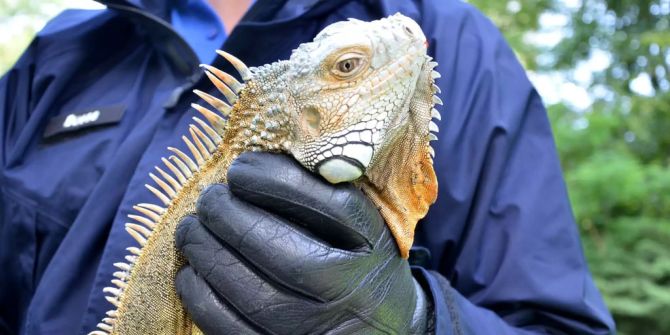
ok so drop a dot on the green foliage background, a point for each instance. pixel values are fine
(615, 153)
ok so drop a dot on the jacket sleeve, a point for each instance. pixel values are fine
(15, 89)
(507, 258)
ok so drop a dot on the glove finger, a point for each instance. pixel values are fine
(239, 285)
(278, 249)
(210, 314)
(339, 214)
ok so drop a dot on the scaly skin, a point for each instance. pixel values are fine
(354, 105)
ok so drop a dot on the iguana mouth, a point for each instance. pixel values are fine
(348, 166)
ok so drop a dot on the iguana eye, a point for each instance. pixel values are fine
(348, 65)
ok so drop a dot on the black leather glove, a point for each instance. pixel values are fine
(281, 251)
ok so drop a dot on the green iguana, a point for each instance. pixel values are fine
(355, 105)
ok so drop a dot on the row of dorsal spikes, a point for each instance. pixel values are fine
(205, 136)
(433, 129)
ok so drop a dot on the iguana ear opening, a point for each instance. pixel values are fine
(410, 187)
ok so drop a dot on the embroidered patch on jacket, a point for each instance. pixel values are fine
(90, 118)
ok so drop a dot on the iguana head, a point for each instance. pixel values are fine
(354, 105)
(350, 92)
(361, 101)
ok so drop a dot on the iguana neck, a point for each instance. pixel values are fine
(259, 120)
(405, 185)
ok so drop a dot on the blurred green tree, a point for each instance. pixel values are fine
(615, 154)
(19, 21)
(616, 161)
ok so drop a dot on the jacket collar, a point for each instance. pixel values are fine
(270, 9)
(264, 25)
(158, 8)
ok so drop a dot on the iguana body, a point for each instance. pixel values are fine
(353, 105)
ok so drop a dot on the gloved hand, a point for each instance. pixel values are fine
(281, 251)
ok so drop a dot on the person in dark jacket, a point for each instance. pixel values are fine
(498, 253)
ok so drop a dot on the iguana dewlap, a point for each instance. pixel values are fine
(355, 105)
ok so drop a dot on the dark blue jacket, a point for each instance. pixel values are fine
(506, 255)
